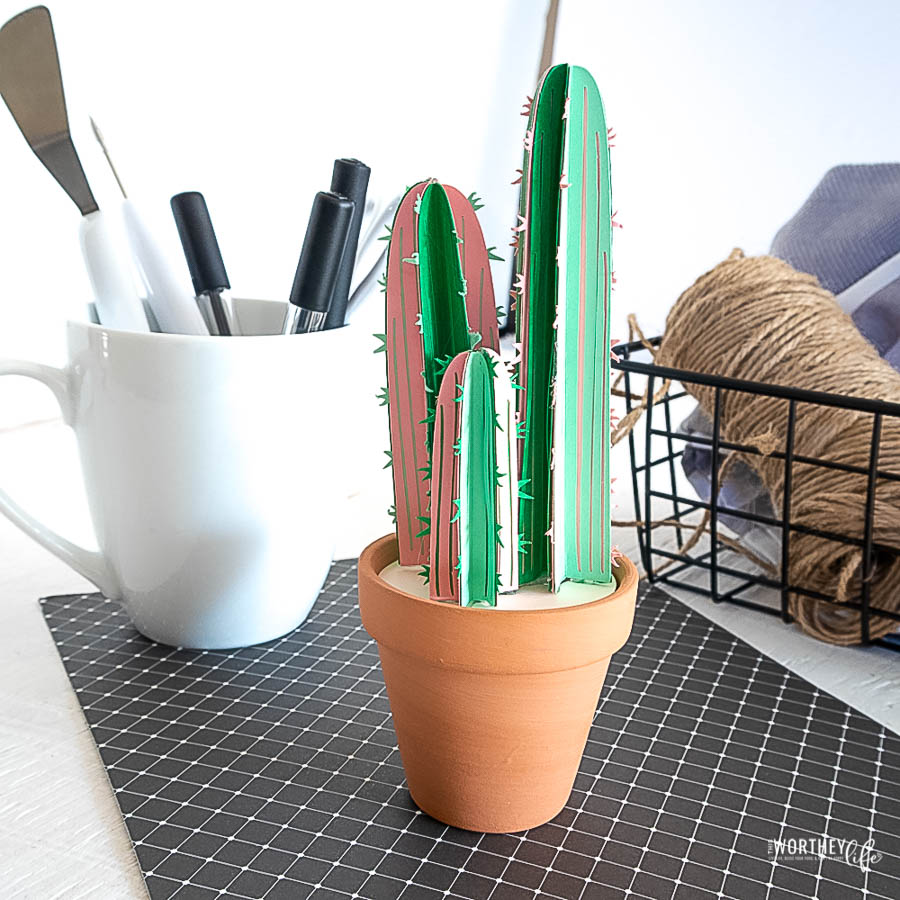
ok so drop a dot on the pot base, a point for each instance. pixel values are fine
(493, 824)
(492, 707)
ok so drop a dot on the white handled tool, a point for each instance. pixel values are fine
(172, 304)
(106, 260)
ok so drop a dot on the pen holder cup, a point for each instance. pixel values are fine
(492, 707)
(211, 471)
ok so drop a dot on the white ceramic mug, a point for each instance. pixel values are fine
(209, 467)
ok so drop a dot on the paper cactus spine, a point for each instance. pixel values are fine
(563, 280)
(425, 328)
(474, 534)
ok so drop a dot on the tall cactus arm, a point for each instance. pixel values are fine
(475, 259)
(405, 356)
(536, 283)
(444, 536)
(425, 328)
(581, 519)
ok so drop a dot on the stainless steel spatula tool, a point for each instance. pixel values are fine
(31, 86)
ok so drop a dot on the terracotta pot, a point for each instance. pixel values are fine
(491, 707)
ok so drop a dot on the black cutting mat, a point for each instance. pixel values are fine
(273, 771)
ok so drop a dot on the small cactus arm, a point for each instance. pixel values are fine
(474, 537)
(475, 259)
(444, 536)
(536, 242)
(580, 490)
(425, 327)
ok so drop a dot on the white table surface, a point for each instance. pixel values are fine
(61, 834)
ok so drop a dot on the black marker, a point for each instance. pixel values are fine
(204, 259)
(320, 261)
(350, 179)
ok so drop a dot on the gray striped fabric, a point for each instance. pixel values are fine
(849, 225)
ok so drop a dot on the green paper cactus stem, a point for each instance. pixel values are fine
(426, 327)
(474, 533)
(536, 241)
(444, 536)
(563, 282)
(581, 495)
(475, 259)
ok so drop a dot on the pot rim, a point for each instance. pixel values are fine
(499, 641)
(629, 577)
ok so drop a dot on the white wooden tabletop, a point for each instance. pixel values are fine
(61, 834)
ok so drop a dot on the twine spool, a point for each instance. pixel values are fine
(759, 319)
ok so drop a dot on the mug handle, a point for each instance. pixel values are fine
(88, 563)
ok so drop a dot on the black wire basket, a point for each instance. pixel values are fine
(667, 505)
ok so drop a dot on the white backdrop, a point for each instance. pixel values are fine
(728, 113)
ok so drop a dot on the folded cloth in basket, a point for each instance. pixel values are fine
(847, 234)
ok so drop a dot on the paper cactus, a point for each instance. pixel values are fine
(496, 487)
(563, 281)
(474, 493)
(426, 327)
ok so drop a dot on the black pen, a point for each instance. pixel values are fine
(320, 260)
(350, 179)
(204, 259)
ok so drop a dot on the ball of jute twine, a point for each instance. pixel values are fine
(761, 320)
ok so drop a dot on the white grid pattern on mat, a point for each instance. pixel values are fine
(272, 772)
